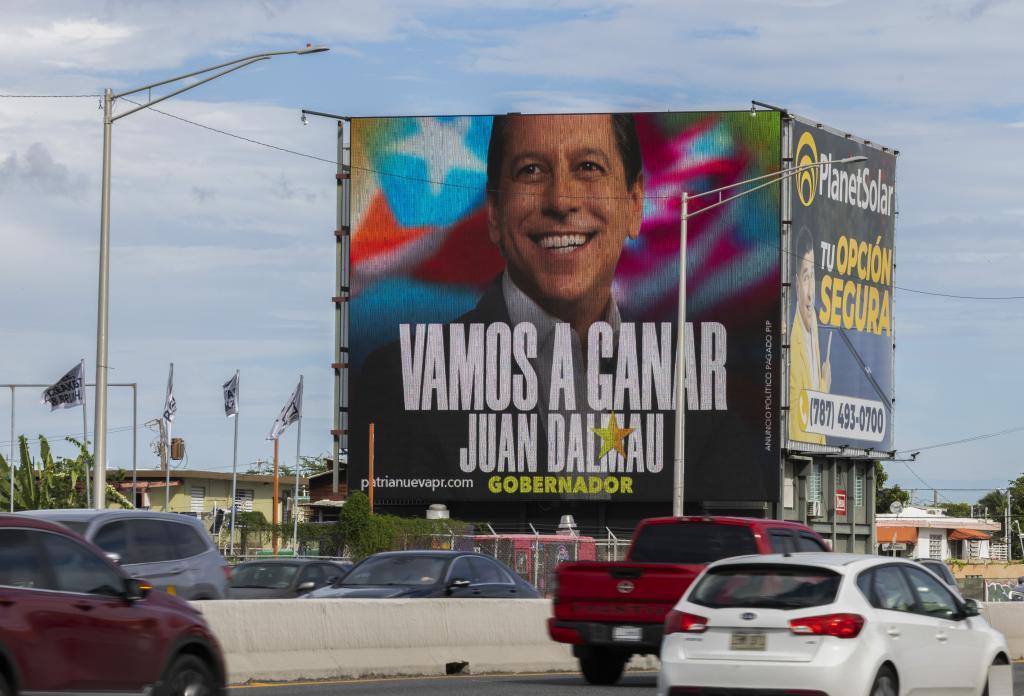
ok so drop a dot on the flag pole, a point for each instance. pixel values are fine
(298, 467)
(234, 468)
(274, 514)
(10, 464)
(85, 439)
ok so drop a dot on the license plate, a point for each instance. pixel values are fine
(627, 634)
(747, 641)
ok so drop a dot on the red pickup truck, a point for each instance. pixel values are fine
(611, 611)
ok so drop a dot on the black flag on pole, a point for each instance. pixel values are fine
(68, 392)
(231, 396)
(289, 414)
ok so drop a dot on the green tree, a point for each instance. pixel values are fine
(886, 496)
(956, 509)
(308, 466)
(311, 466)
(995, 501)
(993, 504)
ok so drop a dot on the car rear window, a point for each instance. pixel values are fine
(263, 575)
(691, 543)
(766, 586)
(75, 526)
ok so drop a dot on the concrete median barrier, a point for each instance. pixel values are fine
(1008, 619)
(285, 640)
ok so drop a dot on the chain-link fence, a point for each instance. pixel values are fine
(533, 556)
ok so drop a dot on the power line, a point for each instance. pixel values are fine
(235, 135)
(77, 436)
(907, 464)
(960, 297)
(50, 96)
(973, 438)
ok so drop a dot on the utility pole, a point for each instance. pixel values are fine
(1006, 526)
(163, 464)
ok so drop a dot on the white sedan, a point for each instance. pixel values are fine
(825, 624)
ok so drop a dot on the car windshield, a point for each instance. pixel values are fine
(691, 543)
(266, 575)
(396, 570)
(765, 586)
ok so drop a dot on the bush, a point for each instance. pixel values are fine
(367, 534)
(256, 521)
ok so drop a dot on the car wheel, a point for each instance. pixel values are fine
(5, 689)
(998, 661)
(602, 668)
(188, 676)
(885, 683)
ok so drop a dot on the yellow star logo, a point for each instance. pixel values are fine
(612, 437)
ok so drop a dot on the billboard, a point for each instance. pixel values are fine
(840, 308)
(514, 297)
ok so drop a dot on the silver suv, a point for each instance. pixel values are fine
(173, 552)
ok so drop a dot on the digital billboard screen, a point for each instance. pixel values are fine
(514, 289)
(840, 309)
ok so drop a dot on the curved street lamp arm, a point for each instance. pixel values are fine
(246, 60)
(781, 174)
(151, 102)
(773, 178)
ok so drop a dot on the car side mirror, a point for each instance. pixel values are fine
(971, 608)
(136, 590)
(114, 558)
(457, 584)
(306, 586)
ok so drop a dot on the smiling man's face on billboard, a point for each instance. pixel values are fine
(563, 210)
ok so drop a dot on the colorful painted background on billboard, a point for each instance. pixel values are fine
(420, 250)
(421, 255)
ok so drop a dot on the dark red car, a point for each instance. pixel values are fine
(72, 622)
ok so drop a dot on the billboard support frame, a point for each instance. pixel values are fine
(785, 232)
(341, 296)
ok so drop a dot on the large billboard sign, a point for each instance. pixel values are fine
(513, 320)
(840, 309)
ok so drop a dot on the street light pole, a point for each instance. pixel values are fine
(679, 463)
(680, 439)
(99, 423)
(102, 314)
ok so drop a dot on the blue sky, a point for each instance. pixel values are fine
(222, 250)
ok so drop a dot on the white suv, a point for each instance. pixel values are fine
(836, 624)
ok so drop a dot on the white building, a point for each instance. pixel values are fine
(929, 533)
